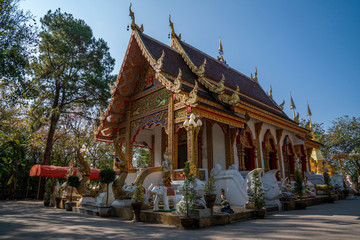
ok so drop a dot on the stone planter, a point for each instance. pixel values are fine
(57, 202)
(187, 223)
(210, 201)
(331, 199)
(136, 207)
(69, 205)
(46, 203)
(288, 203)
(105, 211)
(300, 204)
(260, 213)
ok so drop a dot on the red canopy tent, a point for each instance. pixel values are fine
(59, 172)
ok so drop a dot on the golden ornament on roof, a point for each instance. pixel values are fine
(133, 24)
(177, 83)
(201, 69)
(234, 99)
(221, 86)
(282, 105)
(159, 62)
(193, 97)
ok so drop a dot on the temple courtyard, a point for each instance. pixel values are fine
(31, 220)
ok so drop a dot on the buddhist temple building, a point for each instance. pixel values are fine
(177, 98)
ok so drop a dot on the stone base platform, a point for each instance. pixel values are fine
(170, 218)
(88, 209)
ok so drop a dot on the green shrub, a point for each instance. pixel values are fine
(73, 182)
(258, 191)
(107, 176)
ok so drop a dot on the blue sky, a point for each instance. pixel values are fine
(310, 48)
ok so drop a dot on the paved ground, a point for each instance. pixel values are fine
(30, 220)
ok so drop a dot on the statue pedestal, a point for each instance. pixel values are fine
(122, 203)
(200, 213)
(87, 200)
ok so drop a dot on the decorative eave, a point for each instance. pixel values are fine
(217, 88)
(189, 100)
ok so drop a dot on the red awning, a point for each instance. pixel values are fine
(58, 172)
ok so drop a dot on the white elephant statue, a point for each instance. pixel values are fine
(131, 190)
(163, 193)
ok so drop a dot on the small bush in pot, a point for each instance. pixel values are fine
(137, 202)
(258, 195)
(73, 182)
(210, 195)
(188, 193)
(106, 177)
(47, 196)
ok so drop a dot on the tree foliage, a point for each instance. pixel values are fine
(343, 136)
(18, 38)
(318, 129)
(72, 71)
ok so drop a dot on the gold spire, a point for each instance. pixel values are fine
(173, 34)
(221, 50)
(255, 77)
(309, 114)
(292, 106)
(221, 53)
(271, 92)
(133, 24)
(308, 110)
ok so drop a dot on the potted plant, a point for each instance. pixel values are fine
(47, 195)
(73, 182)
(299, 188)
(210, 195)
(258, 196)
(106, 177)
(58, 195)
(328, 187)
(188, 193)
(137, 202)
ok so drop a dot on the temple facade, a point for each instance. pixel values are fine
(180, 100)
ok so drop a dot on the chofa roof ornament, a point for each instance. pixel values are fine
(133, 24)
(173, 34)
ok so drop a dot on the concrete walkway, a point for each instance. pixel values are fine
(30, 220)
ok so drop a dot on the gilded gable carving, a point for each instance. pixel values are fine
(150, 102)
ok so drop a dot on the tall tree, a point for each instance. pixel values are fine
(18, 38)
(343, 136)
(73, 70)
(318, 129)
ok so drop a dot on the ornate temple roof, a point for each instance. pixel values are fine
(144, 51)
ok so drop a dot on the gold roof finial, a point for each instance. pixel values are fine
(309, 114)
(221, 52)
(308, 110)
(173, 34)
(255, 78)
(282, 105)
(271, 92)
(133, 24)
(292, 106)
